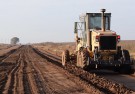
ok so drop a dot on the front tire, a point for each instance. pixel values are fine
(65, 57)
(82, 58)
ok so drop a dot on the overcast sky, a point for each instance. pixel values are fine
(53, 20)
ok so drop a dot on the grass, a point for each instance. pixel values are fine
(59, 47)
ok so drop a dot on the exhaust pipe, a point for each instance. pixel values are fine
(103, 19)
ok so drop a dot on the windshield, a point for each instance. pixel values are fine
(95, 22)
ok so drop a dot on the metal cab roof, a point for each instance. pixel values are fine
(98, 14)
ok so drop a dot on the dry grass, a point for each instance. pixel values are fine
(128, 44)
(57, 48)
(4, 48)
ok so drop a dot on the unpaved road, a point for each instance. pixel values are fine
(127, 80)
(25, 72)
(28, 71)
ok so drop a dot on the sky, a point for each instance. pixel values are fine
(34, 21)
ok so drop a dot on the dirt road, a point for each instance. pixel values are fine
(127, 80)
(98, 80)
(25, 72)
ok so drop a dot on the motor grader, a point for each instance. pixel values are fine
(98, 47)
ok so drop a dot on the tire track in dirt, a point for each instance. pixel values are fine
(16, 78)
(19, 80)
(26, 82)
(6, 67)
(37, 75)
(13, 81)
(51, 73)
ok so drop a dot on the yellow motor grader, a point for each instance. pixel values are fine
(97, 46)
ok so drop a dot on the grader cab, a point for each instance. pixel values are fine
(97, 47)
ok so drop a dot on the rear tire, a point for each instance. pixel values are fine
(65, 57)
(126, 69)
(82, 58)
(126, 55)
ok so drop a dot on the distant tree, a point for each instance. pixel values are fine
(14, 40)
